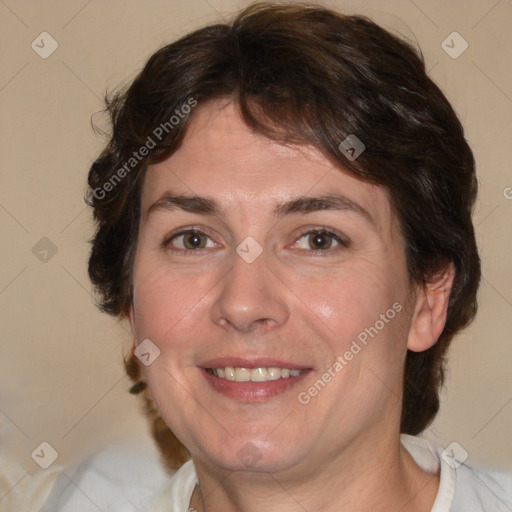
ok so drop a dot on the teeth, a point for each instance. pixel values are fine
(255, 374)
(242, 375)
(259, 374)
(274, 373)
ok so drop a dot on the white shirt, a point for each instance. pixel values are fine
(146, 488)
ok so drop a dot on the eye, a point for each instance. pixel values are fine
(190, 240)
(319, 240)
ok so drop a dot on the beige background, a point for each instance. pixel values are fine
(61, 378)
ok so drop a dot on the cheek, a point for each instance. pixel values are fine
(353, 295)
(166, 304)
(358, 313)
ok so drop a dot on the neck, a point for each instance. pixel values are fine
(359, 479)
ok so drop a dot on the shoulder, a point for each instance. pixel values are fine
(175, 497)
(482, 490)
(23, 488)
(462, 488)
(118, 479)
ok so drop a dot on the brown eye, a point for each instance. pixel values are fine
(319, 240)
(191, 240)
(194, 241)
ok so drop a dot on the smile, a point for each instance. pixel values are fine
(262, 374)
(256, 384)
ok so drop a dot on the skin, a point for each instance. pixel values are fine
(296, 302)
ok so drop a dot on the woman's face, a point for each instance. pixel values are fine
(256, 259)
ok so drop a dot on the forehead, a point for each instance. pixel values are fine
(223, 159)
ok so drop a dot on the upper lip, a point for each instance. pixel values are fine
(251, 362)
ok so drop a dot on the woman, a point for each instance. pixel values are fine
(284, 216)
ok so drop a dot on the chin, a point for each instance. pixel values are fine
(253, 454)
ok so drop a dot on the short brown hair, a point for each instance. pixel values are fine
(303, 74)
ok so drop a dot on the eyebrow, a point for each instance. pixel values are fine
(299, 205)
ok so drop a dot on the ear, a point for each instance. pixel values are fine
(431, 307)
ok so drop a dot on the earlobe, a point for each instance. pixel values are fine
(431, 307)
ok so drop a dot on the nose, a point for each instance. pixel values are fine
(250, 298)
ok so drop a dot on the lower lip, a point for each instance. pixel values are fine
(252, 391)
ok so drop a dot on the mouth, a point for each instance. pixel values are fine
(252, 380)
(260, 374)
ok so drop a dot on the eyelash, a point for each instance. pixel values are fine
(342, 241)
(339, 239)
